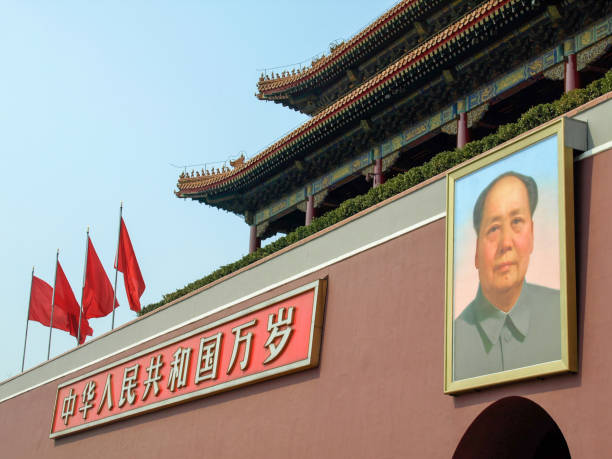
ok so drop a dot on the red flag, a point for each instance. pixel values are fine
(65, 300)
(98, 292)
(41, 294)
(41, 297)
(126, 263)
(40, 301)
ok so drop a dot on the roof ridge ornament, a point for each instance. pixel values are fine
(406, 70)
(337, 50)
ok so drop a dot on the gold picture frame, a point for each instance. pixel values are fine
(500, 337)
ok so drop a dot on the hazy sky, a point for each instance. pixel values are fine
(98, 101)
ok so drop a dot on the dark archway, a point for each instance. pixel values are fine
(513, 427)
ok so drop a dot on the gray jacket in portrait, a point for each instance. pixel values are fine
(487, 340)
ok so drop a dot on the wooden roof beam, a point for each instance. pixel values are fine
(596, 69)
(216, 200)
(420, 29)
(366, 125)
(554, 13)
(448, 75)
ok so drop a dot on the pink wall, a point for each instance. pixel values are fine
(378, 389)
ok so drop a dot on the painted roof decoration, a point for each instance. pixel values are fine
(344, 54)
(412, 68)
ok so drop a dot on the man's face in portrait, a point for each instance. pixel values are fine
(505, 242)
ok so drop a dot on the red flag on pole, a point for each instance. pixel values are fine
(40, 306)
(41, 295)
(98, 292)
(66, 301)
(126, 263)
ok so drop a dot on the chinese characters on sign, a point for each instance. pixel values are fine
(274, 338)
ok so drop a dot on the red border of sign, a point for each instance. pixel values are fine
(320, 290)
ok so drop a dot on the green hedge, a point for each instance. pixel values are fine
(443, 161)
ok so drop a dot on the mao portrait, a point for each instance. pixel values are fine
(510, 323)
(505, 244)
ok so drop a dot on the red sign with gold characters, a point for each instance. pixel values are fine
(274, 338)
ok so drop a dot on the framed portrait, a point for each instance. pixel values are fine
(510, 269)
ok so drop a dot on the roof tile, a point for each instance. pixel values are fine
(316, 122)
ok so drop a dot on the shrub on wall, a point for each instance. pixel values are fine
(443, 161)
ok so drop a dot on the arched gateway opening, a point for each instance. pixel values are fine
(513, 427)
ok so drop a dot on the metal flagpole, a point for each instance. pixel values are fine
(52, 303)
(27, 321)
(83, 289)
(116, 266)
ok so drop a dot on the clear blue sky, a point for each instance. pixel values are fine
(99, 99)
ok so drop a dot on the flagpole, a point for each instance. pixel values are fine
(52, 303)
(27, 320)
(116, 265)
(83, 289)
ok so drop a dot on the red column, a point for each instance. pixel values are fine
(379, 179)
(254, 242)
(572, 77)
(463, 133)
(310, 210)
